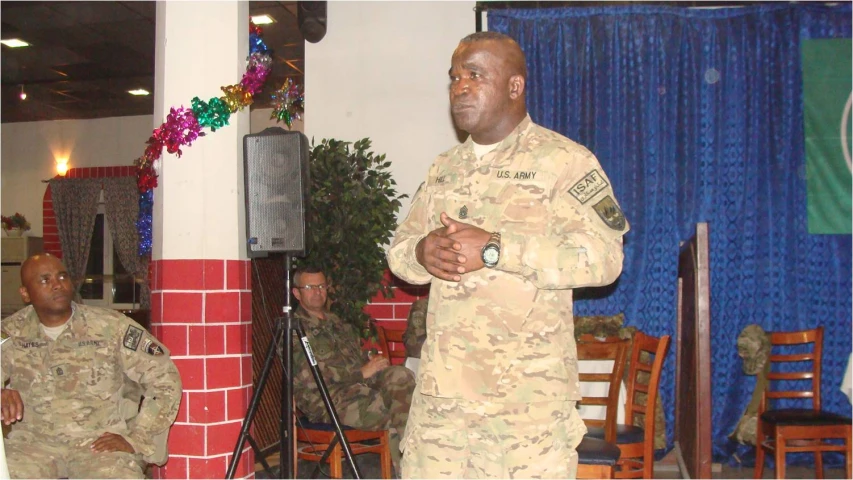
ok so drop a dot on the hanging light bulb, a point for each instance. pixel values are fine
(23, 94)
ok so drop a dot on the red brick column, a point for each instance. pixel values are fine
(202, 311)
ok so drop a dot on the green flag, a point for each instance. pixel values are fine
(826, 112)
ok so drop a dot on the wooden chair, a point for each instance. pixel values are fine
(319, 436)
(637, 444)
(389, 338)
(615, 349)
(792, 429)
(597, 457)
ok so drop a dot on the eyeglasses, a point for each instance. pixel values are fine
(310, 288)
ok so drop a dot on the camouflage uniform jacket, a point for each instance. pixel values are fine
(73, 388)
(505, 334)
(336, 346)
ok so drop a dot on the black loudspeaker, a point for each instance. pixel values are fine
(275, 169)
(311, 17)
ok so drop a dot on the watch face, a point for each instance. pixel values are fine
(490, 256)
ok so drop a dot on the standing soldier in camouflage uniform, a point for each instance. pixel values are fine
(368, 393)
(67, 366)
(498, 378)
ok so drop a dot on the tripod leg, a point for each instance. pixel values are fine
(253, 409)
(324, 392)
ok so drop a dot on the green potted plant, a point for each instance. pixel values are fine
(350, 218)
(15, 225)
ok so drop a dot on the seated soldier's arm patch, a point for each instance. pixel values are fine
(132, 337)
(151, 347)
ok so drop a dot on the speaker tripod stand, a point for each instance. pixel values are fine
(285, 327)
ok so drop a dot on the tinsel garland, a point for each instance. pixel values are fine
(183, 126)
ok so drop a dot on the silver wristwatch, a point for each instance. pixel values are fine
(491, 252)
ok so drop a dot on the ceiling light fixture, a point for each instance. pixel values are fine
(139, 91)
(14, 43)
(23, 94)
(262, 19)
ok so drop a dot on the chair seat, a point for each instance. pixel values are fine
(624, 434)
(323, 427)
(593, 451)
(803, 416)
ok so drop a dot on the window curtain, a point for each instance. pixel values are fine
(75, 203)
(696, 115)
(121, 197)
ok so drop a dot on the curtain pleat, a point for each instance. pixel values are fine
(696, 115)
(75, 204)
(121, 197)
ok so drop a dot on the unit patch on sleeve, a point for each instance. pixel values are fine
(589, 185)
(132, 337)
(610, 213)
(151, 347)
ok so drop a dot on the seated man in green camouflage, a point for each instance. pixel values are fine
(415, 334)
(69, 369)
(368, 393)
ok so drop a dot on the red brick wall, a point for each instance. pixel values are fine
(392, 312)
(50, 234)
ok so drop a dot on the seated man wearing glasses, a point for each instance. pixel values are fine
(368, 392)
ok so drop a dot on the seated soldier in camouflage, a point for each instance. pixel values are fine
(415, 333)
(368, 393)
(69, 368)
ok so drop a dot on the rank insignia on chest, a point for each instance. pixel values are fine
(132, 337)
(463, 212)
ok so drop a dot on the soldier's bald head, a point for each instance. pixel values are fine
(46, 284)
(505, 47)
(30, 265)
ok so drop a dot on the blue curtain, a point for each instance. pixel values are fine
(696, 116)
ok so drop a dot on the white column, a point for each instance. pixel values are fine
(198, 205)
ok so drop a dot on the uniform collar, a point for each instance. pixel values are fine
(77, 324)
(501, 155)
(311, 321)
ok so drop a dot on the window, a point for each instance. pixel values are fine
(107, 282)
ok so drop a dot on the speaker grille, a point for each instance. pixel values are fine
(276, 176)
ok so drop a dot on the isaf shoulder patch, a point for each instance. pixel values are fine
(591, 184)
(132, 337)
(610, 212)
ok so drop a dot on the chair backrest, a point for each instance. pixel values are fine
(610, 348)
(785, 356)
(391, 342)
(647, 356)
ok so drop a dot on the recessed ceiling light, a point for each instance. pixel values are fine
(139, 91)
(14, 43)
(262, 20)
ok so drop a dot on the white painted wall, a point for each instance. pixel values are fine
(30, 150)
(381, 72)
